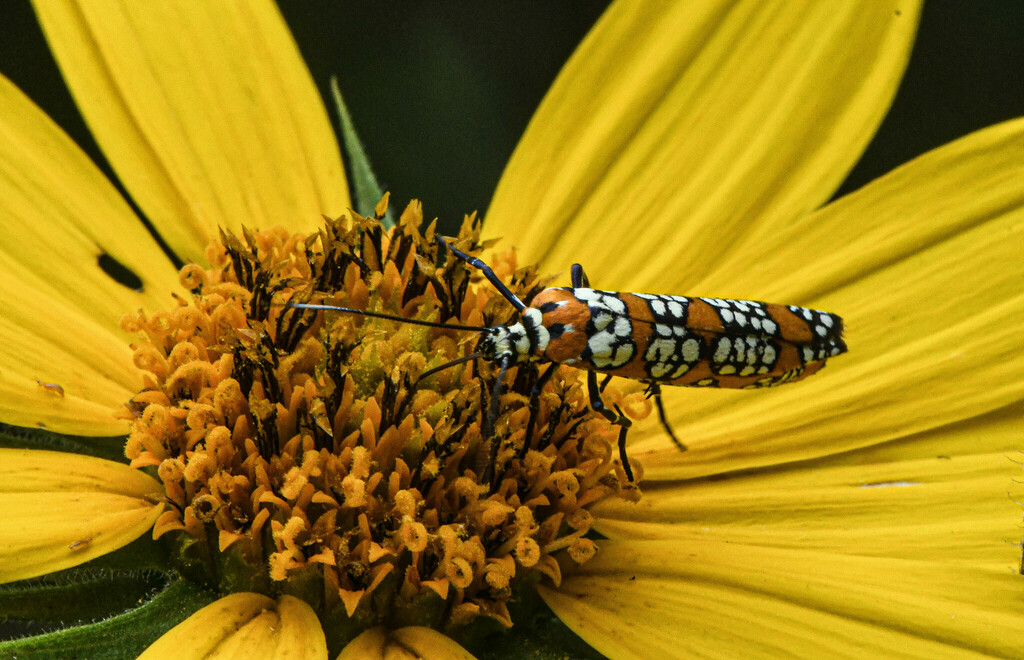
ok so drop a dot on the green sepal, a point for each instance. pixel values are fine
(537, 633)
(306, 583)
(123, 636)
(365, 189)
(340, 628)
(547, 639)
(239, 569)
(426, 608)
(191, 557)
(19, 437)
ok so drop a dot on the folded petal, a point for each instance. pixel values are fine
(59, 510)
(925, 266)
(724, 600)
(245, 625)
(206, 112)
(409, 643)
(680, 130)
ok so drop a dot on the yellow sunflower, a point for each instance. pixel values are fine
(863, 512)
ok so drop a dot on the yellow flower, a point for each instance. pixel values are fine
(684, 149)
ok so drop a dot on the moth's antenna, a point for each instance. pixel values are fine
(390, 317)
(488, 429)
(465, 358)
(488, 273)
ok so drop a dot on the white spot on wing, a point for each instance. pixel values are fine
(722, 350)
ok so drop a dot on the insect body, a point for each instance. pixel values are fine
(52, 388)
(80, 544)
(656, 339)
(659, 340)
(670, 340)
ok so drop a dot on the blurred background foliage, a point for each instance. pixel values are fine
(440, 91)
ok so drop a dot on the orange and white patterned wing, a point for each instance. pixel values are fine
(677, 340)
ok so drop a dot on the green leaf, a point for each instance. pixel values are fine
(122, 636)
(366, 192)
(77, 595)
(19, 437)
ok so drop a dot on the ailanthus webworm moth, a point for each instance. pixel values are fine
(654, 338)
(660, 340)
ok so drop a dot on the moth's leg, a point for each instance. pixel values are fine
(579, 278)
(654, 389)
(538, 387)
(616, 418)
(490, 442)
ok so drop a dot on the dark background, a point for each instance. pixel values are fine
(441, 91)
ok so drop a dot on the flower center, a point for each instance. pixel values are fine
(303, 452)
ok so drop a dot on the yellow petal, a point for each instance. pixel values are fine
(723, 600)
(299, 635)
(925, 266)
(369, 645)
(62, 383)
(677, 129)
(410, 643)
(62, 369)
(206, 112)
(59, 510)
(946, 507)
(245, 625)
(290, 630)
(201, 633)
(58, 216)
